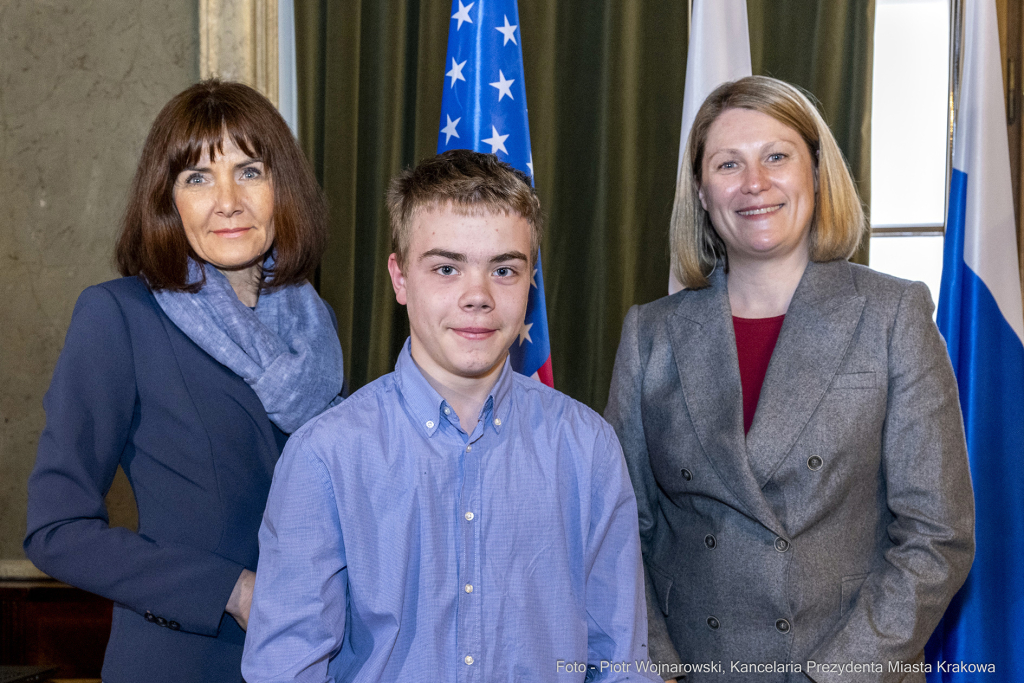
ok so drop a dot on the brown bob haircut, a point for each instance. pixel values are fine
(469, 183)
(838, 222)
(152, 243)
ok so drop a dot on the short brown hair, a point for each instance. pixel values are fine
(468, 182)
(152, 243)
(838, 221)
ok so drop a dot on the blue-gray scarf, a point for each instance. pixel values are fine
(286, 349)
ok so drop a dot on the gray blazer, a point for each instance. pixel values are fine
(841, 526)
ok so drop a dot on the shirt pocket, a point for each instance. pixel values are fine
(855, 380)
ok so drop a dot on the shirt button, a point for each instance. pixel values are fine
(469, 659)
(430, 424)
(814, 463)
(447, 411)
(469, 448)
(497, 422)
(469, 516)
(469, 588)
(710, 542)
(782, 625)
(781, 544)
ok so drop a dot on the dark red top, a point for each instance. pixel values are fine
(755, 341)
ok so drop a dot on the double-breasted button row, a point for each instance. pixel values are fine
(160, 621)
(782, 625)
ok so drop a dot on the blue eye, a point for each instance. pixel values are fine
(446, 270)
(727, 165)
(194, 179)
(778, 156)
(504, 271)
(251, 173)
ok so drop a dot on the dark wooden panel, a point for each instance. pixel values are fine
(50, 623)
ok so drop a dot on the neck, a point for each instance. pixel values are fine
(764, 289)
(246, 283)
(466, 395)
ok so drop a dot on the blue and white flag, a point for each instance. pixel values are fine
(980, 315)
(484, 109)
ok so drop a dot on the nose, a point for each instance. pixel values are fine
(477, 296)
(755, 179)
(228, 198)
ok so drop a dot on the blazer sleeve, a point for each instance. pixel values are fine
(624, 414)
(928, 492)
(90, 410)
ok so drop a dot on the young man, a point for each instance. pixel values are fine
(453, 520)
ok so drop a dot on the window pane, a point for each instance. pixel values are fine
(909, 109)
(917, 257)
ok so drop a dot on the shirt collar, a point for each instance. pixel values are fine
(427, 405)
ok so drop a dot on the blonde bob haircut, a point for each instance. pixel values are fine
(838, 221)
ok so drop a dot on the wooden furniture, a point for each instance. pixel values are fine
(50, 623)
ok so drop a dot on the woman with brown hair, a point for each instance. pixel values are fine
(189, 372)
(790, 420)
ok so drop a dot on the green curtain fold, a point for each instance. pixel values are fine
(604, 83)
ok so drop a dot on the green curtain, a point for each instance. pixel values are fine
(826, 47)
(604, 81)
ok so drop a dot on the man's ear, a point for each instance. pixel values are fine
(397, 279)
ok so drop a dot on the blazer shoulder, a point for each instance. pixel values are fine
(877, 285)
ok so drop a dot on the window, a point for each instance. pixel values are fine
(910, 95)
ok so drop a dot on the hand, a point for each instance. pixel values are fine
(241, 598)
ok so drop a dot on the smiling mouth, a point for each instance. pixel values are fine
(473, 332)
(760, 211)
(230, 232)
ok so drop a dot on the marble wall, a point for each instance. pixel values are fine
(80, 83)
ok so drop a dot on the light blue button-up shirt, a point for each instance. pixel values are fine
(397, 547)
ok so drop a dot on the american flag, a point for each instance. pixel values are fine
(484, 109)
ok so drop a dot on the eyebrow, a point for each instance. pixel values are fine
(449, 255)
(509, 256)
(241, 164)
(461, 258)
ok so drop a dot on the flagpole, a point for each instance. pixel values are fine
(956, 64)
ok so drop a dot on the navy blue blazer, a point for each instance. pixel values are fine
(131, 389)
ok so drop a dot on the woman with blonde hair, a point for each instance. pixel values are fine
(790, 419)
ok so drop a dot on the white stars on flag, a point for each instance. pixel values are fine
(524, 333)
(497, 142)
(533, 278)
(463, 14)
(504, 87)
(529, 165)
(456, 73)
(449, 130)
(508, 31)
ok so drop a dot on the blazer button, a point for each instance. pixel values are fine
(686, 474)
(710, 541)
(160, 621)
(174, 626)
(782, 625)
(149, 617)
(713, 623)
(814, 463)
(781, 544)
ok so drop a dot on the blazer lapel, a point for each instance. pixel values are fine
(815, 336)
(704, 346)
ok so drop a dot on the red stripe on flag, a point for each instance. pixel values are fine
(545, 375)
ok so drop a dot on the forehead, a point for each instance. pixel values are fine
(469, 227)
(738, 128)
